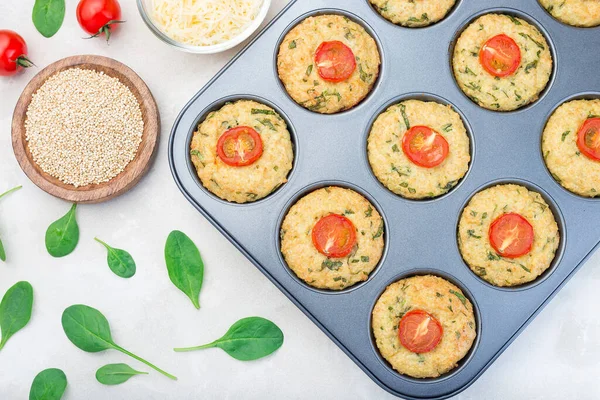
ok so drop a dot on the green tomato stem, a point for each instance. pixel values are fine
(186, 349)
(10, 191)
(122, 350)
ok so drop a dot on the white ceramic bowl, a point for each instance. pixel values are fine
(144, 7)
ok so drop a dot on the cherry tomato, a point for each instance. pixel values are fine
(334, 236)
(240, 146)
(13, 53)
(335, 61)
(419, 331)
(98, 17)
(425, 147)
(500, 56)
(511, 235)
(588, 139)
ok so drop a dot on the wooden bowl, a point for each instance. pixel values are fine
(134, 170)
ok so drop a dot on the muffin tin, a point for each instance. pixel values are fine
(420, 236)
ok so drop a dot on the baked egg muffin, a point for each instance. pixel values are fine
(508, 235)
(332, 238)
(242, 152)
(411, 13)
(582, 13)
(571, 146)
(502, 62)
(328, 63)
(423, 326)
(419, 149)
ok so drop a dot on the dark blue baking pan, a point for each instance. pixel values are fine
(420, 236)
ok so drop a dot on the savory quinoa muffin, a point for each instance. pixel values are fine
(571, 146)
(583, 13)
(507, 235)
(502, 62)
(243, 151)
(328, 63)
(423, 326)
(332, 238)
(419, 149)
(411, 13)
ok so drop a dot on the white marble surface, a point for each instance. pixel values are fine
(557, 357)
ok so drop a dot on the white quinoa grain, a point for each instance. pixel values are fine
(83, 127)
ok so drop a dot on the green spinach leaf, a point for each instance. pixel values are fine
(10, 191)
(89, 330)
(248, 339)
(15, 310)
(185, 266)
(50, 384)
(119, 261)
(62, 236)
(48, 16)
(115, 374)
(2, 251)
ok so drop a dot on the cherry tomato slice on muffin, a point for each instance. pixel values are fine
(511, 235)
(98, 17)
(334, 236)
(500, 56)
(335, 61)
(425, 147)
(240, 146)
(419, 331)
(13, 53)
(588, 139)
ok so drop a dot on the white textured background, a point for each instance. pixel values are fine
(557, 357)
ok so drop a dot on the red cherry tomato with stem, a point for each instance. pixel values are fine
(588, 139)
(511, 235)
(334, 236)
(240, 146)
(419, 331)
(13, 53)
(500, 56)
(98, 17)
(335, 61)
(425, 147)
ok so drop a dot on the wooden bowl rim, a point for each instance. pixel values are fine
(134, 171)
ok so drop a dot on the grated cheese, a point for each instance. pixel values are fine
(204, 22)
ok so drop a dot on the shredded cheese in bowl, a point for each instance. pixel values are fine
(204, 22)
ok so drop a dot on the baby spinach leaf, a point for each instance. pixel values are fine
(119, 261)
(2, 251)
(62, 236)
(15, 310)
(185, 266)
(89, 330)
(50, 384)
(248, 339)
(48, 16)
(115, 374)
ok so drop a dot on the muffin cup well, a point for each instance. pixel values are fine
(309, 189)
(216, 105)
(514, 13)
(465, 360)
(558, 217)
(353, 18)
